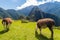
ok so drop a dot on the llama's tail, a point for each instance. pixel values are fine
(54, 23)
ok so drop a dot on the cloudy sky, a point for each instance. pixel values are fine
(20, 4)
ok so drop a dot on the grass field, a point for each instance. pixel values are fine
(26, 31)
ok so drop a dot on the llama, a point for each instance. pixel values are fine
(42, 23)
(6, 22)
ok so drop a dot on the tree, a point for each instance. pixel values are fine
(22, 17)
(27, 18)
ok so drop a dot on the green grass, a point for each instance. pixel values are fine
(26, 31)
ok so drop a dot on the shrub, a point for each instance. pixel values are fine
(24, 21)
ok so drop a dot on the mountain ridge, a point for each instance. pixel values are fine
(52, 8)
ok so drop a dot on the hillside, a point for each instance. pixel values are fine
(3, 13)
(26, 31)
(26, 10)
(51, 7)
(9, 13)
(14, 14)
(37, 14)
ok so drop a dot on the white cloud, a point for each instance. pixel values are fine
(28, 3)
(33, 2)
(57, 0)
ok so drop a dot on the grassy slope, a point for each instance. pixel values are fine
(26, 31)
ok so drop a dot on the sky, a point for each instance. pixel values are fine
(20, 4)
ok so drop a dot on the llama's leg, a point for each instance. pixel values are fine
(36, 28)
(40, 30)
(50, 26)
(4, 25)
(51, 29)
(7, 27)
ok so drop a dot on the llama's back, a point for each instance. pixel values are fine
(45, 21)
(9, 20)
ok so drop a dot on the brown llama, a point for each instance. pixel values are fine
(42, 23)
(6, 22)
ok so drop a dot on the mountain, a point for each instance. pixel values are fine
(26, 10)
(9, 13)
(37, 14)
(14, 14)
(3, 13)
(35, 10)
(51, 7)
